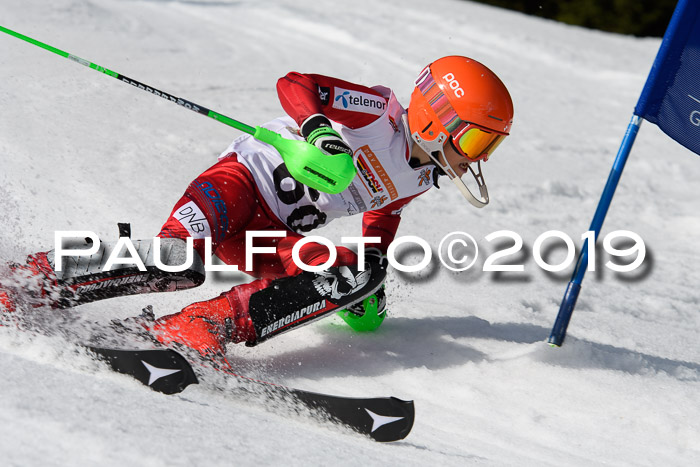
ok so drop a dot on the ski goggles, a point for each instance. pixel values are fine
(474, 142)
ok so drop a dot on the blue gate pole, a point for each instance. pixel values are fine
(556, 338)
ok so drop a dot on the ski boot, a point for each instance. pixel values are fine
(7, 305)
(31, 285)
(209, 325)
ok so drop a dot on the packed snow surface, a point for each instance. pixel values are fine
(81, 151)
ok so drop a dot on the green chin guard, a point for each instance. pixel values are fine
(370, 321)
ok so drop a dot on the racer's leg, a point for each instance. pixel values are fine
(256, 311)
(220, 203)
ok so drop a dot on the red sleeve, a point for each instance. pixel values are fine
(384, 223)
(303, 95)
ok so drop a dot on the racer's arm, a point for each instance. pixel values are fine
(384, 223)
(303, 95)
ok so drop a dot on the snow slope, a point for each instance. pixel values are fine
(80, 151)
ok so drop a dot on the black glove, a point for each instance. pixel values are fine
(379, 295)
(317, 130)
(376, 255)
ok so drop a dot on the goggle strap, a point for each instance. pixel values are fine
(438, 101)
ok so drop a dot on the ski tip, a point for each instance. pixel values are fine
(393, 427)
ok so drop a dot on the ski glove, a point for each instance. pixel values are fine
(377, 299)
(317, 130)
(376, 255)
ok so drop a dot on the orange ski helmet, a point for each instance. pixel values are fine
(459, 99)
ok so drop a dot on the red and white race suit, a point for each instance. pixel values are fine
(251, 189)
(383, 177)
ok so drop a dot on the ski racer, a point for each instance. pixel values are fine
(459, 113)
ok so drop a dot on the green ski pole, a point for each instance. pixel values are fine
(305, 162)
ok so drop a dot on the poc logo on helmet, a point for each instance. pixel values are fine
(454, 84)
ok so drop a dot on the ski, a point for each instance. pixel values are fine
(163, 370)
(383, 419)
